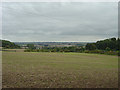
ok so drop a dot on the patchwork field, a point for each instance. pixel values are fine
(59, 70)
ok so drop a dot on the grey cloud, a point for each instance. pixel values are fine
(59, 21)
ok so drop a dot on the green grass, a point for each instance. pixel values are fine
(59, 70)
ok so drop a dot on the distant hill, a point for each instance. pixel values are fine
(52, 43)
(8, 44)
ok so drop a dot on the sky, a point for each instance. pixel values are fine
(59, 21)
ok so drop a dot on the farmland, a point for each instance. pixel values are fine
(58, 70)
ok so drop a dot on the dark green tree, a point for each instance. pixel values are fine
(31, 46)
(8, 44)
(90, 46)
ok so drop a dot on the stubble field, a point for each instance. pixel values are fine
(58, 70)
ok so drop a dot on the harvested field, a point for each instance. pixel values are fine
(59, 70)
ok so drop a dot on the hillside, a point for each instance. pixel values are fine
(8, 44)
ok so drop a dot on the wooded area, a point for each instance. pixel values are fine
(108, 46)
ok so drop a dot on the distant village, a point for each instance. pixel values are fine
(40, 45)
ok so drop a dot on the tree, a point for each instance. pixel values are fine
(113, 39)
(90, 46)
(30, 46)
(8, 44)
(118, 44)
(111, 43)
(107, 49)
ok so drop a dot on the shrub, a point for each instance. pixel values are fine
(103, 52)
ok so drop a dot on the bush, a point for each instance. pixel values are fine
(27, 50)
(103, 52)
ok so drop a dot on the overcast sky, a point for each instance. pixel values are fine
(75, 21)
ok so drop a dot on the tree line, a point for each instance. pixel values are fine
(108, 46)
(112, 44)
(56, 49)
(8, 45)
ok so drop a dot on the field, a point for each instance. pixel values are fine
(14, 50)
(59, 70)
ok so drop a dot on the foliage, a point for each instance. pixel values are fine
(111, 43)
(90, 46)
(102, 52)
(57, 49)
(108, 46)
(31, 46)
(8, 44)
